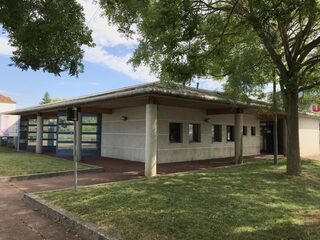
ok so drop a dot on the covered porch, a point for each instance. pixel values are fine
(136, 119)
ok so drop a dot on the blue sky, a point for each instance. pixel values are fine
(28, 87)
(106, 67)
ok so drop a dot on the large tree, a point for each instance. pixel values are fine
(245, 42)
(46, 34)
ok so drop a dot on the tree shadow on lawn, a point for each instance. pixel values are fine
(251, 202)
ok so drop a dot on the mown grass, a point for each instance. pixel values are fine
(14, 163)
(254, 201)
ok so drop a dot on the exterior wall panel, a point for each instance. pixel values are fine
(124, 139)
(185, 151)
(309, 136)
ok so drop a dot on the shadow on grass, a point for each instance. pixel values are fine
(256, 201)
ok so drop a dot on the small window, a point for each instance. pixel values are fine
(245, 131)
(175, 135)
(253, 131)
(216, 133)
(194, 133)
(230, 134)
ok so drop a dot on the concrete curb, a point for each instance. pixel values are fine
(49, 174)
(82, 228)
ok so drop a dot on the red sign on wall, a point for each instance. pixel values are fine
(315, 108)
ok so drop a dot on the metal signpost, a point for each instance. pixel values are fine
(72, 115)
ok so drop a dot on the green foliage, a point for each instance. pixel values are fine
(254, 201)
(47, 99)
(308, 98)
(47, 34)
(245, 42)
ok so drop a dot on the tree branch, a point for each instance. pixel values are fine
(316, 84)
(307, 49)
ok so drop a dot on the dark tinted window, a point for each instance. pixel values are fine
(245, 131)
(253, 131)
(175, 130)
(194, 132)
(230, 134)
(216, 133)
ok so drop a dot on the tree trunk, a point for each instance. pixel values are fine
(293, 148)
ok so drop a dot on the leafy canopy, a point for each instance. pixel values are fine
(46, 34)
(247, 41)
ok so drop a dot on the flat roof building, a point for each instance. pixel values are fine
(155, 123)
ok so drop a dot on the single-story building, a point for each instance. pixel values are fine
(8, 123)
(155, 123)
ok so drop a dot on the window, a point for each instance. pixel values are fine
(216, 133)
(253, 131)
(175, 132)
(194, 133)
(90, 139)
(230, 134)
(244, 131)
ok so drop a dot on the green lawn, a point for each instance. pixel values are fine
(254, 201)
(14, 163)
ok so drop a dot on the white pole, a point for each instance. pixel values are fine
(75, 161)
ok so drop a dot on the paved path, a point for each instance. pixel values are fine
(19, 222)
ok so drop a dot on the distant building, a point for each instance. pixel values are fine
(8, 123)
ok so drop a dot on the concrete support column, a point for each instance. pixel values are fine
(285, 133)
(238, 137)
(151, 144)
(79, 136)
(39, 134)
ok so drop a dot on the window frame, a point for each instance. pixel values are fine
(213, 132)
(253, 131)
(198, 133)
(245, 131)
(180, 131)
(231, 127)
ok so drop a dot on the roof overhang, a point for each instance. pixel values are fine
(142, 94)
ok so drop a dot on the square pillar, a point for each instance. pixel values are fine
(238, 136)
(79, 136)
(151, 144)
(39, 134)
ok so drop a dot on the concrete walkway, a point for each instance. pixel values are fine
(18, 222)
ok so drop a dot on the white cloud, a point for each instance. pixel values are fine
(209, 84)
(104, 34)
(5, 48)
(119, 63)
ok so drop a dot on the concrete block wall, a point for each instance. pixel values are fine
(185, 151)
(309, 136)
(124, 139)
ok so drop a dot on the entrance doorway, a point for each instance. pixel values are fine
(266, 128)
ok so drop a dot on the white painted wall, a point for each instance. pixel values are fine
(8, 123)
(126, 139)
(185, 151)
(5, 107)
(309, 136)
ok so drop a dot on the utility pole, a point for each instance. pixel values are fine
(72, 115)
(275, 123)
